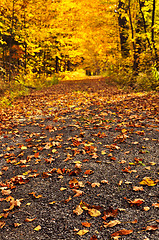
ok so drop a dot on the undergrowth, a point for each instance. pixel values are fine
(22, 86)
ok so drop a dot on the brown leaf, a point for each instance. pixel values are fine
(121, 232)
(110, 212)
(93, 237)
(111, 223)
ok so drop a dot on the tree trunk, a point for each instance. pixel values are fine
(152, 35)
(123, 30)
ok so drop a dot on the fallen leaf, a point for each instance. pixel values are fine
(23, 147)
(137, 201)
(94, 212)
(62, 188)
(30, 219)
(111, 223)
(138, 188)
(82, 232)
(121, 232)
(151, 228)
(78, 210)
(6, 192)
(38, 228)
(147, 181)
(86, 224)
(135, 221)
(104, 181)
(33, 193)
(2, 223)
(146, 209)
(120, 182)
(52, 202)
(89, 172)
(96, 184)
(110, 212)
(93, 237)
(78, 192)
(17, 224)
(156, 205)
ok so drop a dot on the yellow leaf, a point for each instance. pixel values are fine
(52, 202)
(147, 181)
(95, 184)
(82, 232)
(78, 210)
(62, 188)
(146, 209)
(94, 212)
(37, 228)
(23, 147)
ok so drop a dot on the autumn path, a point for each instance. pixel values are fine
(80, 161)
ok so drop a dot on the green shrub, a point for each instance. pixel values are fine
(148, 80)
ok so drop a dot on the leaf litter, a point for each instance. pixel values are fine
(80, 164)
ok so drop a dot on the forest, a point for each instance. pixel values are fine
(42, 40)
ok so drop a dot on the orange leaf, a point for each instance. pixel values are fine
(33, 193)
(156, 205)
(89, 172)
(30, 219)
(151, 228)
(36, 155)
(2, 223)
(6, 192)
(136, 201)
(121, 232)
(17, 224)
(86, 224)
(78, 192)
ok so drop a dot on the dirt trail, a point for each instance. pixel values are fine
(80, 161)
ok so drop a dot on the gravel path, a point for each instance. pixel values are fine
(80, 156)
